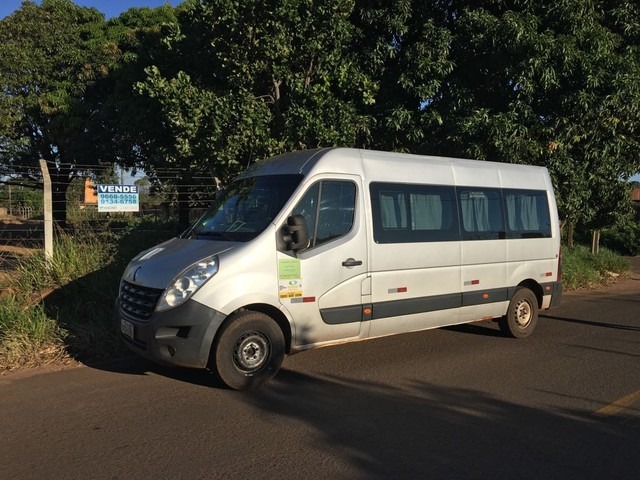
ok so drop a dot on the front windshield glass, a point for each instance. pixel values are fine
(245, 208)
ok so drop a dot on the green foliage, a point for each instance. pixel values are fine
(131, 126)
(151, 195)
(14, 196)
(207, 88)
(407, 56)
(291, 75)
(582, 269)
(548, 83)
(72, 258)
(624, 240)
(51, 56)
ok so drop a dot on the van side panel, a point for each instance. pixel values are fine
(483, 279)
(412, 278)
(466, 280)
(409, 276)
(484, 250)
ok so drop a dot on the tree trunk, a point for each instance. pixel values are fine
(570, 229)
(59, 201)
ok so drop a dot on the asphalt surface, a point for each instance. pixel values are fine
(461, 402)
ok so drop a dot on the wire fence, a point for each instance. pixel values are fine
(162, 195)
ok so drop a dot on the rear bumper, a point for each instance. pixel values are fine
(556, 294)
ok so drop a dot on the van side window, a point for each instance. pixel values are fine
(328, 207)
(481, 213)
(413, 213)
(527, 214)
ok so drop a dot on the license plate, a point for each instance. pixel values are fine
(126, 328)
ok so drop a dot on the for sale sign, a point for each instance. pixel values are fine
(118, 198)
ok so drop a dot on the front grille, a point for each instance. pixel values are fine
(138, 302)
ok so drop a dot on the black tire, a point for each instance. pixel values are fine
(522, 316)
(249, 350)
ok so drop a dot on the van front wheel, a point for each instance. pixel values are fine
(522, 315)
(249, 350)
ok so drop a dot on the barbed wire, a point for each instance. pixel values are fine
(106, 167)
(168, 174)
(25, 226)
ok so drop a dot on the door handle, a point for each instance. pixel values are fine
(350, 262)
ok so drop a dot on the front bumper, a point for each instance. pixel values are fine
(181, 336)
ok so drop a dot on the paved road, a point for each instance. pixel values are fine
(452, 403)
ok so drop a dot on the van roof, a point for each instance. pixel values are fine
(402, 168)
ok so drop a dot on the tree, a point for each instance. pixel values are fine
(406, 55)
(256, 78)
(547, 83)
(247, 80)
(51, 56)
(128, 126)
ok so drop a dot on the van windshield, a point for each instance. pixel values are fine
(245, 208)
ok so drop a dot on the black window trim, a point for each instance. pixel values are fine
(317, 211)
(390, 236)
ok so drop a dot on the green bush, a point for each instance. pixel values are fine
(582, 269)
(625, 240)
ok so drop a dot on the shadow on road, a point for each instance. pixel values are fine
(488, 329)
(633, 328)
(132, 364)
(422, 430)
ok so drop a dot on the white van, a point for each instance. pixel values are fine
(328, 246)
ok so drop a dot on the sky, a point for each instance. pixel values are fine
(110, 8)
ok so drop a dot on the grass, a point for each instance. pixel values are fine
(52, 310)
(582, 269)
(62, 308)
(72, 258)
(28, 337)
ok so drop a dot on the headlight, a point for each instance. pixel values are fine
(186, 284)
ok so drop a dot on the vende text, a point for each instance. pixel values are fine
(117, 189)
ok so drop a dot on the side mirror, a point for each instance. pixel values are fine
(296, 234)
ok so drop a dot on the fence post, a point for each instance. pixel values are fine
(48, 211)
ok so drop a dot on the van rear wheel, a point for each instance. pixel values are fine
(522, 315)
(249, 350)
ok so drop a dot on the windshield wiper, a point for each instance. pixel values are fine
(221, 235)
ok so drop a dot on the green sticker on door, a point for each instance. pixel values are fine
(290, 278)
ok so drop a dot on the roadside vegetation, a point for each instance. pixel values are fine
(583, 269)
(61, 310)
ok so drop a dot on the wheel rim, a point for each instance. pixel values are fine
(524, 314)
(251, 352)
